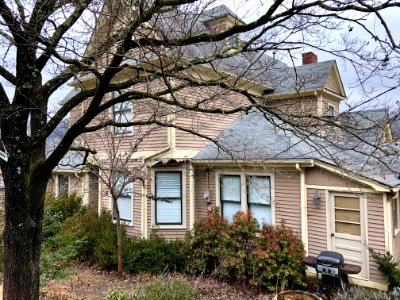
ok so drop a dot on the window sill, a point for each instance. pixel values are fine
(155, 226)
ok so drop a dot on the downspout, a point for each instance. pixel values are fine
(303, 208)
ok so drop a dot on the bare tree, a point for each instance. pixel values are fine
(117, 169)
(161, 51)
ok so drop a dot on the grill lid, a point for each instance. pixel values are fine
(330, 258)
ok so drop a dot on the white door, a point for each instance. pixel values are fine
(348, 229)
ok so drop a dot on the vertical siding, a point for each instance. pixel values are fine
(287, 201)
(376, 232)
(317, 223)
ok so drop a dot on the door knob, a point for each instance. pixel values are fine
(332, 234)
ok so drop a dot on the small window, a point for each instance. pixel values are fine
(230, 196)
(259, 198)
(124, 187)
(168, 198)
(122, 113)
(63, 184)
(331, 111)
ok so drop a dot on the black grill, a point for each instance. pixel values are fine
(330, 259)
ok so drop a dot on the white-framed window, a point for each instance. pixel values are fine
(124, 190)
(168, 198)
(246, 193)
(62, 184)
(122, 113)
(330, 113)
(396, 214)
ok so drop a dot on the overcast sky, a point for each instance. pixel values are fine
(249, 10)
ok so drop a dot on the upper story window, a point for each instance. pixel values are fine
(122, 113)
(63, 184)
(330, 111)
(256, 197)
(168, 198)
(124, 190)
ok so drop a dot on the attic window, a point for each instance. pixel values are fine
(331, 111)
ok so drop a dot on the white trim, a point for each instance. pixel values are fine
(143, 210)
(100, 198)
(340, 189)
(303, 207)
(376, 186)
(191, 197)
(243, 189)
(387, 212)
(184, 197)
(85, 188)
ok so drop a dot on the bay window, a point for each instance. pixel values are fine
(168, 198)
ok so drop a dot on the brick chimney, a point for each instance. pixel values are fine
(309, 58)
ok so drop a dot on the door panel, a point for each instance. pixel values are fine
(347, 230)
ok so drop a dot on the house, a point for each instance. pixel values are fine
(293, 163)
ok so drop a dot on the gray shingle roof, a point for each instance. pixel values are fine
(254, 138)
(368, 125)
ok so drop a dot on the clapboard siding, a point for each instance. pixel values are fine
(317, 223)
(201, 177)
(331, 85)
(376, 232)
(318, 176)
(396, 247)
(287, 201)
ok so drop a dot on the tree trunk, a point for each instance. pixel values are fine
(119, 236)
(22, 231)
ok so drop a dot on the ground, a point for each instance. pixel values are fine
(91, 283)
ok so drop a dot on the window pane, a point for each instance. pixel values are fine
(347, 202)
(342, 227)
(168, 185)
(259, 190)
(125, 208)
(347, 215)
(169, 212)
(63, 184)
(230, 188)
(229, 209)
(261, 212)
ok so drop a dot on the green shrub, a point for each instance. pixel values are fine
(58, 251)
(208, 243)
(167, 289)
(388, 267)
(100, 237)
(277, 258)
(241, 251)
(117, 295)
(57, 210)
(154, 254)
(360, 293)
